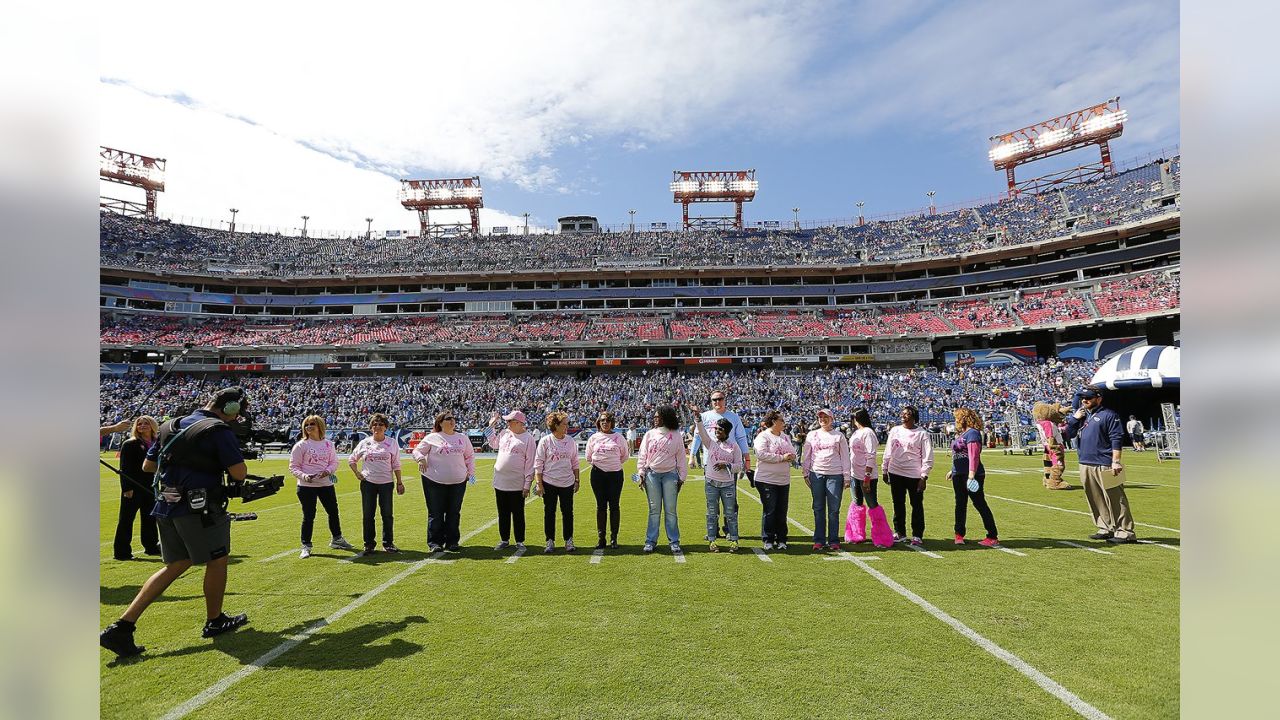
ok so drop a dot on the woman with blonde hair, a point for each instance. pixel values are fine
(555, 470)
(967, 475)
(313, 462)
(136, 493)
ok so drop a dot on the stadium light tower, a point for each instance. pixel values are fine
(368, 228)
(796, 210)
(305, 218)
(1094, 125)
(445, 194)
(232, 226)
(699, 186)
(632, 213)
(861, 221)
(932, 209)
(127, 168)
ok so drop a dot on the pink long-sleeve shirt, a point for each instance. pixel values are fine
(727, 453)
(771, 467)
(449, 459)
(825, 453)
(310, 457)
(908, 452)
(607, 451)
(862, 453)
(513, 470)
(662, 450)
(557, 460)
(381, 459)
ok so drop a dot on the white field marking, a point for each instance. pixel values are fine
(1075, 512)
(1174, 548)
(762, 555)
(1045, 682)
(1085, 547)
(791, 520)
(437, 558)
(679, 557)
(922, 551)
(515, 556)
(1011, 551)
(216, 689)
(597, 556)
(848, 556)
(279, 555)
(998, 471)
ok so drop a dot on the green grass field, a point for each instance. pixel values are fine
(718, 636)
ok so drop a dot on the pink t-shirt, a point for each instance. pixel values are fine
(310, 457)
(607, 451)
(449, 459)
(771, 467)
(557, 460)
(862, 453)
(662, 450)
(381, 459)
(719, 453)
(513, 470)
(908, 452)
(825, 453)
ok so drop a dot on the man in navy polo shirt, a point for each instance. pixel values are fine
(1101, 432)
(192, 519)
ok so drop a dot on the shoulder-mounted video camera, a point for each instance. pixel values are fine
(255, 487)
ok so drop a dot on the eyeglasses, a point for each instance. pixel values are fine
(718, 399)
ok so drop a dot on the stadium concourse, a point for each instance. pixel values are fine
(1128, 197)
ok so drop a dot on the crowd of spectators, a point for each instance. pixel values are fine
(281, 402)
(163, 245)
(1139, 294)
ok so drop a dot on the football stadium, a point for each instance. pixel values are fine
(713, 465)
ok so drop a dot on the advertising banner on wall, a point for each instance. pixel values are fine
(242, 367)
(995, 356)
(1097, 349)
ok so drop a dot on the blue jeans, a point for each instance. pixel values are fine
(728, 495)
(661, 487)
(828, 490)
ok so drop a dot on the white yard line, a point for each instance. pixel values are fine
(762, 555)
(1045, 682)
(1174, 548)
(1085, 547)
(922, 551)
(1011, 551)
(267, 658)
(679, 557)
(515, 556)
(597, 556)
(1074, 512)
(281, 554)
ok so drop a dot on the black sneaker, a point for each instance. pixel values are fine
(1100, 536)
(153, 551)
(123, 558)
(453, 549)
(119, 640)
(222, 624)
(1131, 540)
(390, 547)
(613, 544)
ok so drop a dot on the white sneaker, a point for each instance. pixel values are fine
(768, 545)
(502, 545)
(520, 546)
(306, 552)
(340, 543)
(569, 546)
(551, 546)
(781, 546)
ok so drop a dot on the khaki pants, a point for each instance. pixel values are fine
(1110, 508)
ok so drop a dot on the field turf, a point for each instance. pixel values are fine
(717, 636)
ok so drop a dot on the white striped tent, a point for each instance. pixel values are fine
(1148, 366)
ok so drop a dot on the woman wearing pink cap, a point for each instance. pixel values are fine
(512, 474)
(607, 452)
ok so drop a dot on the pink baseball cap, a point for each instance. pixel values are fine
(826, 412)
(514, 415)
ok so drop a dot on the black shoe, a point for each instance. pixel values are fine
(613, 544)
(222, 624)
(390, 547)
(153, 551)
(123, 558)
(1100, 536)
(119, 640)
(1131, 540)
(453, 549)
(600, 545)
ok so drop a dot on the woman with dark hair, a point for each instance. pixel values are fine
(555, 470)
(380, 455)
(967, 475)
(908, 458)
(136, 495)
(862, 459)
(662, 465)
(448, 465)
(775, 455)
(607, 452)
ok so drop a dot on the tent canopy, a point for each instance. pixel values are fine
(1148, 366)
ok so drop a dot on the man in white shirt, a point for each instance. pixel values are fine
(1135, 429)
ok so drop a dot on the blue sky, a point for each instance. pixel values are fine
(586, 108)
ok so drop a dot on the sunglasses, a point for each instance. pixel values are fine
(448, 419)
(717, 399)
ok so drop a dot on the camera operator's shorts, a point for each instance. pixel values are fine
(187, 538)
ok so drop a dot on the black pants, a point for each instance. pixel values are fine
(129, 507)
(775, 499)
(902, 487)
(376, 497)
(510, 511)
(958, 483)
(565, 497)
(607, 487)
(868, 497)
(444, 502)
(328, 497)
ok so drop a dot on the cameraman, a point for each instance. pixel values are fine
(191, 512)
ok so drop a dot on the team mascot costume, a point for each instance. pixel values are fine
(1048, 418)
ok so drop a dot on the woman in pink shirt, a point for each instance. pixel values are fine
(555, 470)
(661, 465)
(862, 462)
(774, 455)
(908, 458)
(824, 462)
(381, 457)
(967, 476)
(448, 465)
(607, 452)
(724, 462)
(313, 462)
(512, 474)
